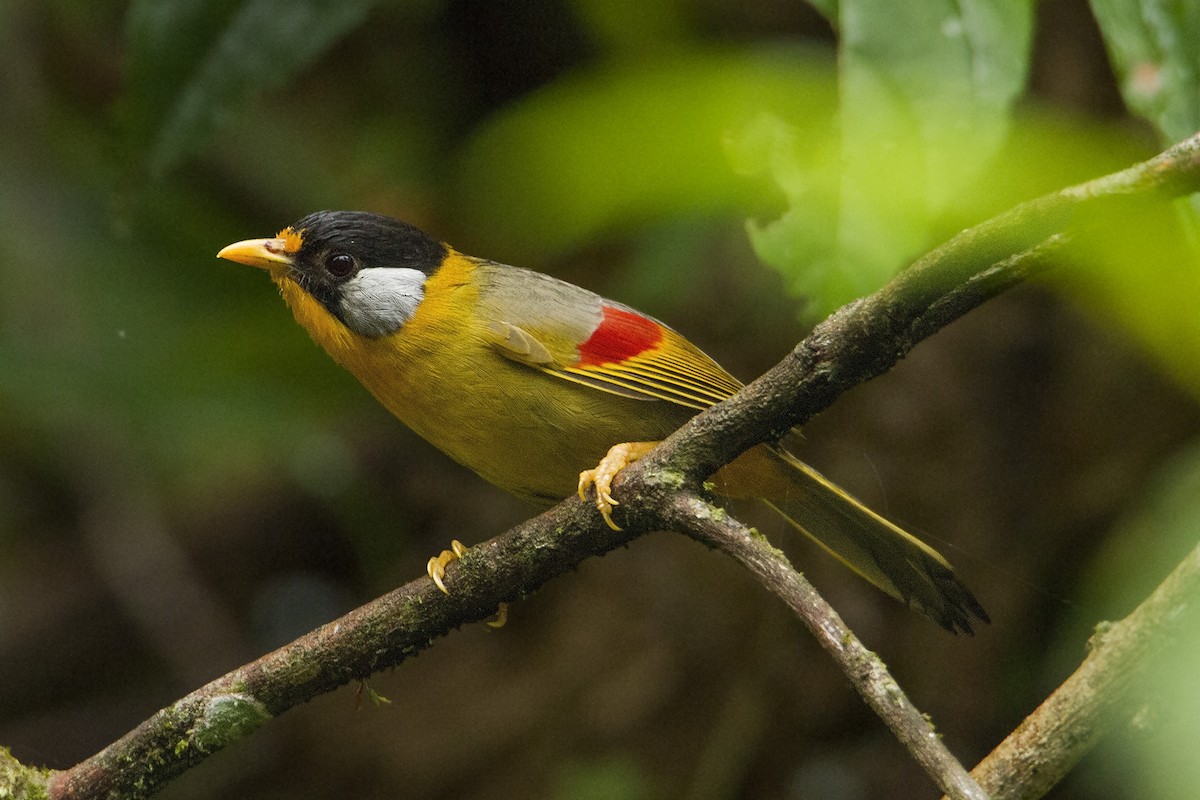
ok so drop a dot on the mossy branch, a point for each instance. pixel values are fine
(1106, 690)
(664, 491)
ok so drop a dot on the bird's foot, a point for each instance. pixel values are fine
(619, 457)
(437, 565)
(499, 618)
(437, 570)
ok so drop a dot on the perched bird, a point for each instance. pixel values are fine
(532, 382)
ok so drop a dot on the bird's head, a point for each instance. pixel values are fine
(367, 270)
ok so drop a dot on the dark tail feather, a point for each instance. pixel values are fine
(895, 561)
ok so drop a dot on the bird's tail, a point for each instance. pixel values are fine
(895, 561)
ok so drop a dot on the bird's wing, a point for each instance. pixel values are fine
(571, 333)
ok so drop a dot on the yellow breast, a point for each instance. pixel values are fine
(416, 367)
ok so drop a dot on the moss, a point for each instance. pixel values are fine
(226, 719)
(671, 478)
(1099, 633)
(20, 782)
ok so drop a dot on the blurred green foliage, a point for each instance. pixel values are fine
(616, 143)
(1155, 47)
(191, 64)
(628, 143)
(925, 94)
(1158, 748)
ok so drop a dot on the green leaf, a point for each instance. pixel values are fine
(624, 144)
(925, 97)
(193, 63)
(1155, 49)
(801, 158)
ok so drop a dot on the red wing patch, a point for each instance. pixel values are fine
(620, 335)
(633, 356)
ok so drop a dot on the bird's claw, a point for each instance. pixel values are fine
(500, 617)
(437, 570)
(618, 458)
(437, 565)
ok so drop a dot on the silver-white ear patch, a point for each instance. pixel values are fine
(379, 300)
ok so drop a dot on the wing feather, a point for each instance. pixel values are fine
(575, 335)
(674, 370)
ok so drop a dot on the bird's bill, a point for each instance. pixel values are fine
(269, 254)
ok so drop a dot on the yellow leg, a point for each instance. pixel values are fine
(437, 565)
(619, 457)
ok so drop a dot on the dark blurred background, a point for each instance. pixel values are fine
(186, 482)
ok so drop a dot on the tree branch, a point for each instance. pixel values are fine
(705, 523)
(1105, 690)
(866, 337)
(376, 636)
(858, 342)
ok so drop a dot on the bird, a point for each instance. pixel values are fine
(547, 389)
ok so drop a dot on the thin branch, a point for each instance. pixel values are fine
(700, 520)
(858, 342)
(1105, 690)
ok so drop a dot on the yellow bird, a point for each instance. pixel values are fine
(532, 382)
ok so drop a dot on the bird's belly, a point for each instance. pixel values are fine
(534, 442)
(523, 430)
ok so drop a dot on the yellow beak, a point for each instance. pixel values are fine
(269, 254)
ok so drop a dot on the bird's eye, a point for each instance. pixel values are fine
(340, 265)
